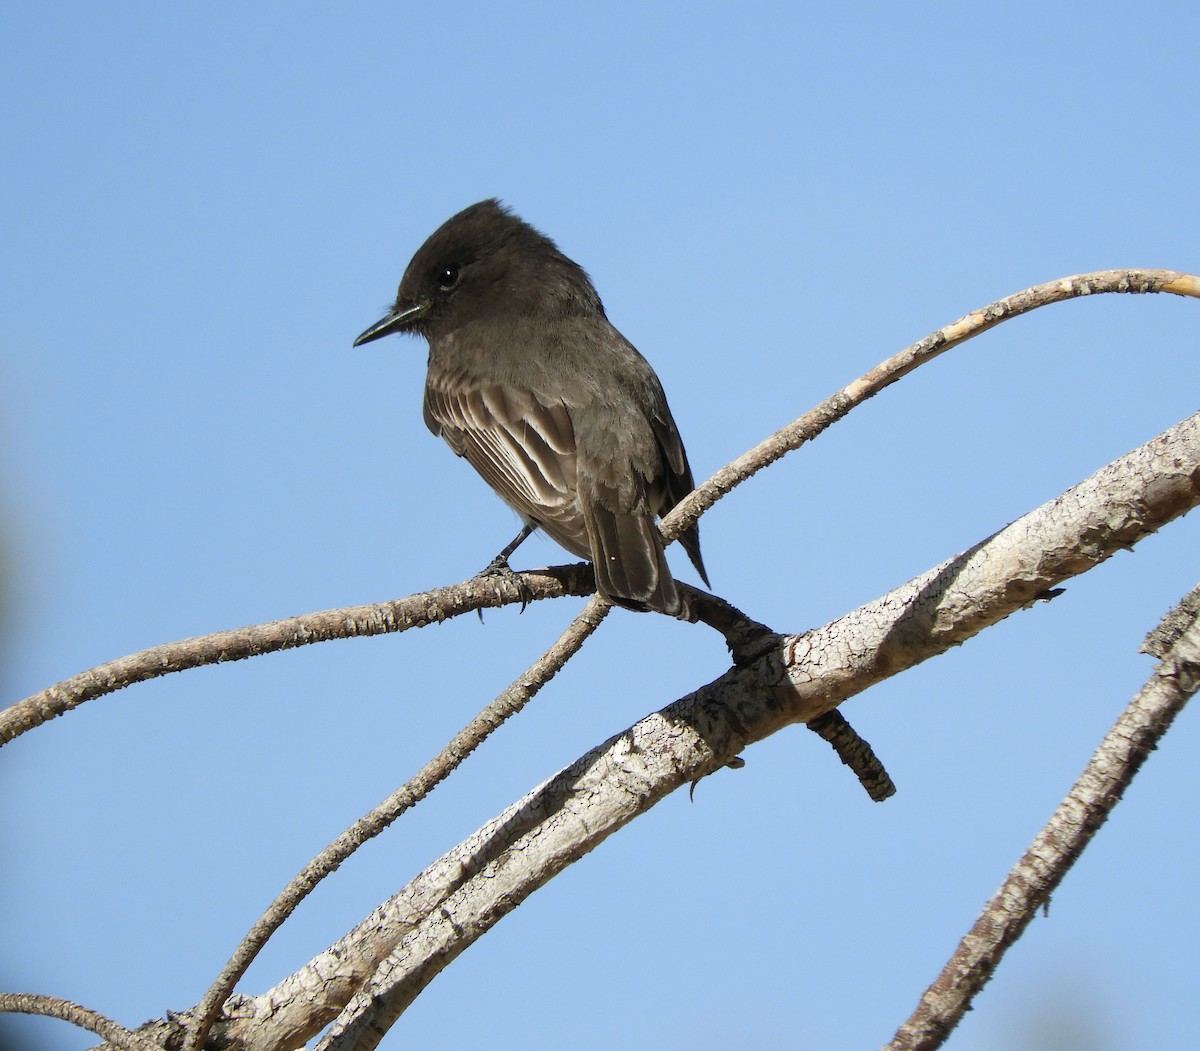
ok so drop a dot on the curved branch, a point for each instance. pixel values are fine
(832, 409)
(76, 1014)
(444, 909)
(1042, 867)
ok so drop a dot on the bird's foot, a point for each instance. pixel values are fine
(499, 567)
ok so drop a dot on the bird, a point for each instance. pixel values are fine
(531, 383)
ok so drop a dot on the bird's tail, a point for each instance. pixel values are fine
(690, 539)
(631, 569)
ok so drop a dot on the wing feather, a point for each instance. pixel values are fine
(523, 446)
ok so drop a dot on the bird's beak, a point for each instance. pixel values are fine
(398, 320)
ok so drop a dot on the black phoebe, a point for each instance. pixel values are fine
(553, 407)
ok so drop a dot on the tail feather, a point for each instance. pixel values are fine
(631, 569)
(690, 540)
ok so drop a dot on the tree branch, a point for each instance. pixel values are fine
(415, 611)
(1042, 868)
(832, 409)
(746, 638)
(54, 1007)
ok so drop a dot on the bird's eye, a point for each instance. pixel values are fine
(448, 277)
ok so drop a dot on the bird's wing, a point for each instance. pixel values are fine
(523, 446)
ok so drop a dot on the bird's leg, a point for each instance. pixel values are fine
(499, 567)
(500, 563)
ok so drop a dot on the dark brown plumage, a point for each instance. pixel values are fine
(553, 407)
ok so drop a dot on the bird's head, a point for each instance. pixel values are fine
(482, 262)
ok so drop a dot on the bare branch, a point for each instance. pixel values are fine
(1041, 869)
(506, 705)
(458, 898)
(813, 422)
(53, 1007)
(415, 611)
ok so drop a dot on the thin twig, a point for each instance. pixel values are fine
(76, 1014)
(1039, 872)
(415, 611)
(832, 409)
(470, 737)
(746, 638)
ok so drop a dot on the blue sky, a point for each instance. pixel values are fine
(205, 205)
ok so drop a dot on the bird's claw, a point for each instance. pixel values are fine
(499, 567)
